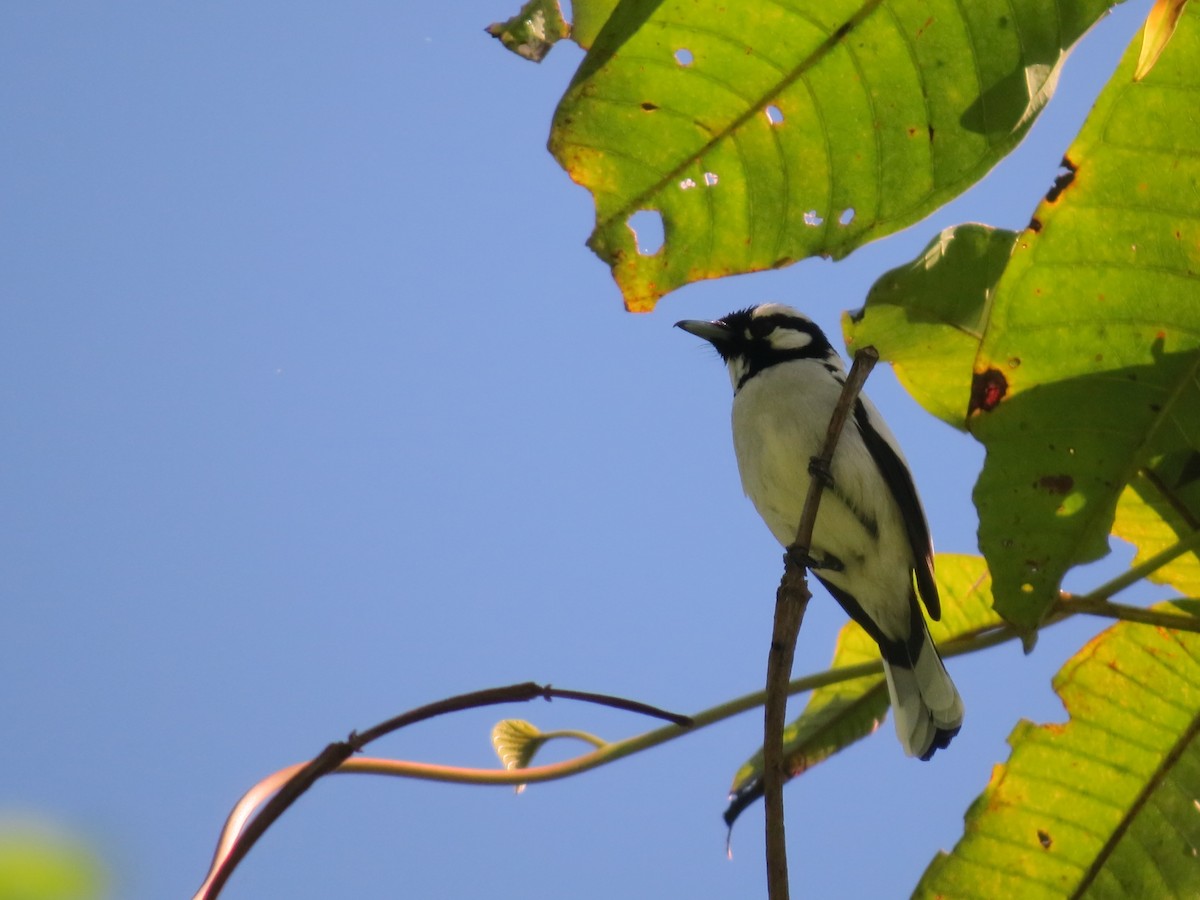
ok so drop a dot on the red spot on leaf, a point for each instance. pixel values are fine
(987, 390)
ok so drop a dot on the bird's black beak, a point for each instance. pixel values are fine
(715, 333)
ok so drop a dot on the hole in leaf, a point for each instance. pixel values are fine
(847, 216)
(684, 56)
(710, 178)
(774, 114)
(812, 218)
(647, 228)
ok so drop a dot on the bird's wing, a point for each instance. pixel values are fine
(899, 481)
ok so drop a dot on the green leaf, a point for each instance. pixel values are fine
(845, 712)
(766, 133)
(36, 866)
(927, 317)
(1105, 805)
(533, 31)
(1160, 507)
(1086, 366)
(516, 742)
(589, 18)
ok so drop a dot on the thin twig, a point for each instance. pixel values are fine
(300, 778)
(791, 600)
(1072, 605)
(1136, 573)
(285, 787)
(611, 752)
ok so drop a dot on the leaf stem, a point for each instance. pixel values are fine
(1126, 613)
(1145, 568)
(614, 750)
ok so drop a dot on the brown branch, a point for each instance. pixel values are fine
(791, 600)
(226, 858)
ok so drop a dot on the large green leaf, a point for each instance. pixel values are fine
(1091, 350)
(766, 133)
(842, 713)
(1085, 369)
(1105, 805)
(927, 318)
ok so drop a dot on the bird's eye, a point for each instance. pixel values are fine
(759, 328)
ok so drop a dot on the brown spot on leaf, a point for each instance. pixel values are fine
(649, 107)
(1044, 839)
(1063, 181)
(1035, 224)
(987, 390)
(931, 134)
(1056, 484)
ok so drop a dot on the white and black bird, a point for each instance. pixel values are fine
(871, 546)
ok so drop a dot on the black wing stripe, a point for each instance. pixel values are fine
(900, 483)
(903, 652)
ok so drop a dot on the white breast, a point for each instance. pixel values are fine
(780, 417)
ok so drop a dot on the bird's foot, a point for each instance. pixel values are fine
(819, 469)
(800, 556)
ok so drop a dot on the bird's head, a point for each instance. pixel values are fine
(759, 337)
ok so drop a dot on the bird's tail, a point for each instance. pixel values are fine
(925, 703)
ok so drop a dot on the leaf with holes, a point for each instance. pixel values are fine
(1086, 367)
(766, 133)
(843, 713)
(1103, 806)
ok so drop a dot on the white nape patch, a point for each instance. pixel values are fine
(789, 339)
(782, 337)
(777, 309)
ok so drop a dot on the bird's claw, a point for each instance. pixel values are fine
(800, 556)
(819, 469)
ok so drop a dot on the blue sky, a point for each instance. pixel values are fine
(317, 408)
